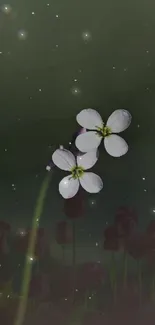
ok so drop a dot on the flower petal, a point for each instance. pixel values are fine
(68, 187)
(89, 118)
(115, 145)
(87, 160)
(88, 141)
(64, 159)
(119, 120)
(91, 182)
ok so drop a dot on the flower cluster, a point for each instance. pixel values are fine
(87, 141)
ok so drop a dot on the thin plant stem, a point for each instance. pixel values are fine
(63, 254)
(140, 281)
(125, 269)
(74, 259)
(30, 252)
(113, 277)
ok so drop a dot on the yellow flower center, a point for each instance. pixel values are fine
(104, 131)
(77, 172)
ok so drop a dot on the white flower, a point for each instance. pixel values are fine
(69, 185)
(117, 122)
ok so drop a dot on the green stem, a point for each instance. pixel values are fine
(63, 254)
(153, 288)
(31, 248)
(74, 259)
(113, 277)
(125, 270)
(140, 281)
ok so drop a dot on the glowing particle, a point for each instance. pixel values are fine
(22, 35)
(75, 91)
(33, 13)
(86, 36)
(143, 178)
(96, 244)
(57, 16)
(6, 9)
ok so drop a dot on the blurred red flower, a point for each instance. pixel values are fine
(4, 232)
(64, 233)
(90, 276)
(40, 286)
(124, 226)
(111, 239)
(21, 242)
(126, 220)
(74, 207)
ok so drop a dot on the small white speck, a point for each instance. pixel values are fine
(145, 190)
(57, 16)
(114, 68)
(143, 178)
(40, 89)
(5, 149)
(147, 51)
(153, 210)
(57, 45)
(138, 126)
(13, 185)
(89, 298)
(65, 299)
(1, 52)
(48, 4)
(48, 168)
(96, 244)
(75, 80)
(33, 13)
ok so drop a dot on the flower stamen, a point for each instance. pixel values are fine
(77, 172)
(103, 131)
